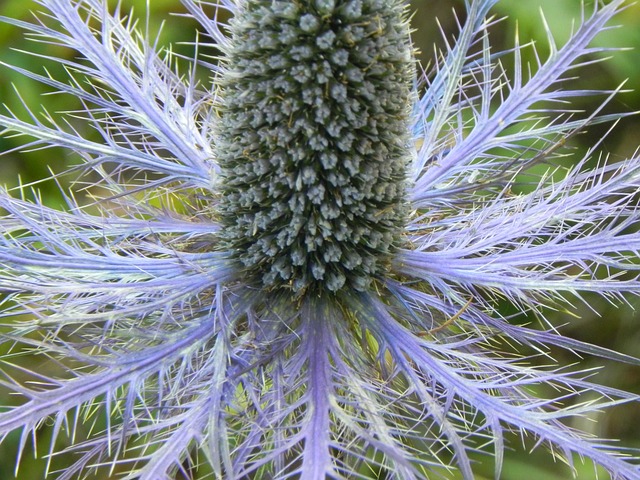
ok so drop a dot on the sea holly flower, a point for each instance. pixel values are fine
(290, 268)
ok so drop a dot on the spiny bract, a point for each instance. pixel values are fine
(289, 267)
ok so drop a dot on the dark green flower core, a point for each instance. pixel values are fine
(313, 140)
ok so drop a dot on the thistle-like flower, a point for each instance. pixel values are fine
(291, 266)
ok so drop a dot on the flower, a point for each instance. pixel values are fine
(291, 268)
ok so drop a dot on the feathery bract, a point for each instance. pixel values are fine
(290, 266)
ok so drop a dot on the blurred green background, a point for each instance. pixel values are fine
(613, 327)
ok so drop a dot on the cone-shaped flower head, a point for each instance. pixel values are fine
(313, 141)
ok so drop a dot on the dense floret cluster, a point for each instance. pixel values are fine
(313, 142)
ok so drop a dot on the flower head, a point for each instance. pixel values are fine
(313, 141)
(290, 269)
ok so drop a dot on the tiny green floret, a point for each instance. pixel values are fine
(313, 140)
